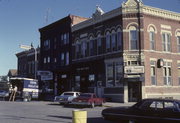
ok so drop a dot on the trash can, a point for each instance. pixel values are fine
(79, 116)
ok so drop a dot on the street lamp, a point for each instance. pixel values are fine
(27, 47)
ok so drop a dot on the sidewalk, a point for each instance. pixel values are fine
(116, 104)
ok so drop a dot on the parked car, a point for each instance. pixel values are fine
(88, 99)
(66, 97)
(147, 111)
(4, 94)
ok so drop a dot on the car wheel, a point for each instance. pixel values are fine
(92, 105)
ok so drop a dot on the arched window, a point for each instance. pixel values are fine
(113, 40)
(152, 38)
(91, 46)
(133, 36)
(119, 39)
(77, 49)
(108, 41)
(99, 44)
(178, 40)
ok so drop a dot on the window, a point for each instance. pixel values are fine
(119, 40)
(77, 83)
(83, 48)
(179, 73)
(110, 74)
(119, 73)
(48, 60)
(152, 40)
(99, 44)
(166, 42)
(108, 42)
(91, 47)
(62, 59)
(133, 40)
(64, 38)
(114, 73)
(67, 58)
(153, 73)
(55, 60)
(167, 73)
(47, 44)
(44, 60)
(178, 44)
(113, 40)
(77, 48)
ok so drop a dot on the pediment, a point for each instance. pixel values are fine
(131, 3)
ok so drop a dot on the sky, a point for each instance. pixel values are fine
(20, 20)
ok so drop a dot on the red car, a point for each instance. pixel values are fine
(88, 99)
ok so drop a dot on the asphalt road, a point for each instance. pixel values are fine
(44, 112)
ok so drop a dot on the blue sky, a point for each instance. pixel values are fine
(21, 19)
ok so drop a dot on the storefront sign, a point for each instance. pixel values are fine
(133, 69)
(45, 75)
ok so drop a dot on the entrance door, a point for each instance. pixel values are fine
(134, 91)
(84, 84)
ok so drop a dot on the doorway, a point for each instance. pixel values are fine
(134, 91)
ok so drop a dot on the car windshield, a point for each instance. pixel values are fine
(85, 95)
(69, 94)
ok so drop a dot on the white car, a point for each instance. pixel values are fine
(66, 97)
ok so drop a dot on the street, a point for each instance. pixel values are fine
(43, 112)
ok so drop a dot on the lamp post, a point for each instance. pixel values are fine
(27, 47)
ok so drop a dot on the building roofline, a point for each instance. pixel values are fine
(128, 9)
(59, 21)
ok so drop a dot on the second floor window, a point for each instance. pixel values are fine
(91, 47)
(152, 40)
(133, 40)
(178, 44)
(119, 41)
(83, 48)
(47, 44)
(166, 42)
(62, 59)
(99, 45)
(64, 38)
(77, 48)
(113, 39)
(108, 42)
(67, 58)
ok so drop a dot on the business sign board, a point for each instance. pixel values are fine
(45, 75)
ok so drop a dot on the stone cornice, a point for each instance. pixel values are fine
(128, 9)
(161, 13)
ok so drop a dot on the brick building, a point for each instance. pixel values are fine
(27, 66)
(55, 43)
(127, 54)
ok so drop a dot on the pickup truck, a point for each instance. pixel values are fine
(88, 99)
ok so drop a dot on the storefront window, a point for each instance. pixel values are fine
(110, 75)
(77, 83)
(119, 73)
(92, 80)
(114, 73)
